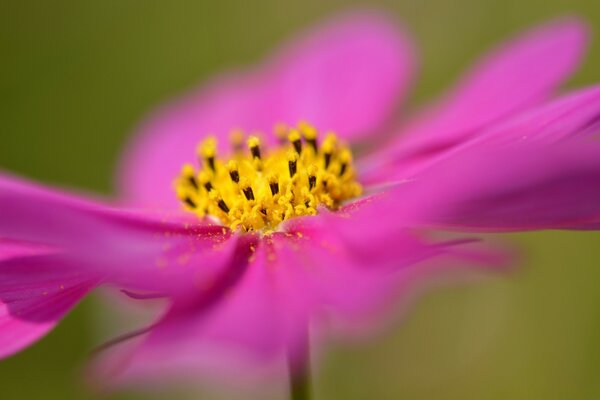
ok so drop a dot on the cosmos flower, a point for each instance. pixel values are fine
(279, 232)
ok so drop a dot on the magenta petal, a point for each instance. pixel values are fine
(524, 187)
(576, 114)
(169, 139)
(318, 279)
(516, 75)
(346, 76)
(14, 248)
(130, 249)
(35, 293)
(54, 248)
(313, 275)
(239, 324)
(263, 317)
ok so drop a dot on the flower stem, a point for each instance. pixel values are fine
(299, 370)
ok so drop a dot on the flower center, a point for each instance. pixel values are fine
(259, 188)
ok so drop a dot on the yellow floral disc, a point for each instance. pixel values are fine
(259, 188)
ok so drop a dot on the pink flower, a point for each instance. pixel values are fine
(498, 153)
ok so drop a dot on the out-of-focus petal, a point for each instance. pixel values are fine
(571, 115)
(517, 75)
(138, 251)
(233, 323)
(14, 248)
(55, 247)
(310, 277)
(35, 293)
(345, 76)
(510, 188)
(576, 114)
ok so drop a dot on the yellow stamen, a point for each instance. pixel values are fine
(208, 152)
(310, 134)
(292, 163)
(234, 172)
(258, 189)
(254, 146)
(296, 140)
(236, 138)
(281, 131)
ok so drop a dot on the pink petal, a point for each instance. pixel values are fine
(345, 75)
(35, 293)
(572, 115)
(575, 114)
(517, 75)
(14, 248)
(54, 248)
(524, 187)
(216, 332)
(131, 249)
(309, 275)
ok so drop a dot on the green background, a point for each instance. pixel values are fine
(76, 76)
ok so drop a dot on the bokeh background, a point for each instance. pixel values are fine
(75, 78)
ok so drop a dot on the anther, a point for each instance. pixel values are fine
(345, 159)
(327, 160)
(296, 140)
(183, 196)
(292, 163)
(273, 185)
(281, 131)
(248, 193)
(254, 146)
(310, 134)
(223, 206)
(233, 171)
(193, 181)
(236, 138)
(328, 148)
(208, 151)
(189, 173)
(234, 175)
(343, 167)
(312, 177)
(211, 163)
(247, 189)
(189, 202)
(205, 181)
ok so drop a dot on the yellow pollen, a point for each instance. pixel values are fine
(257, 189)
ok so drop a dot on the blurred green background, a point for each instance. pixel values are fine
(76, 76)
